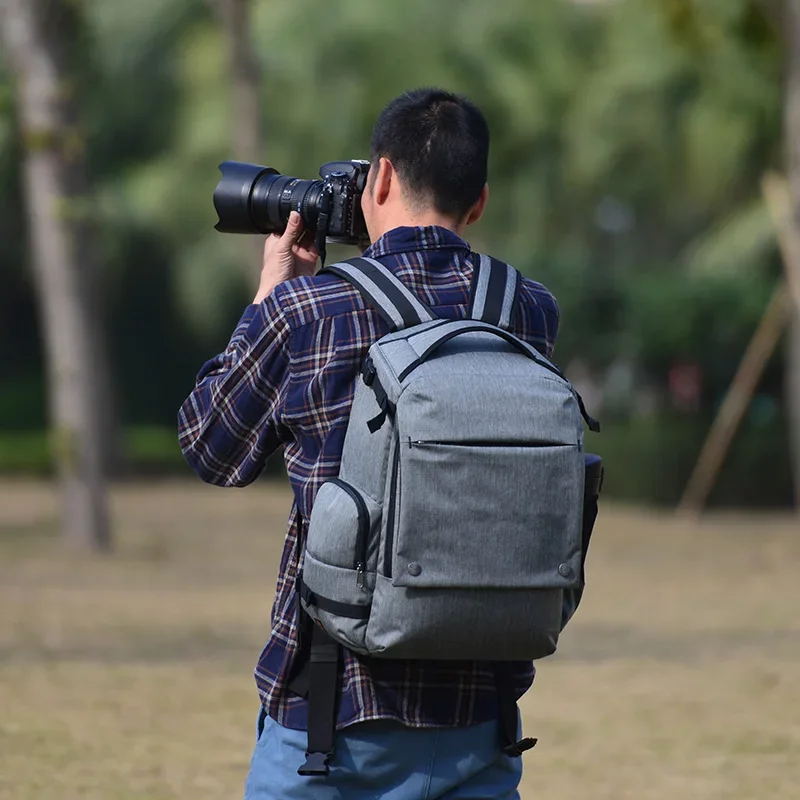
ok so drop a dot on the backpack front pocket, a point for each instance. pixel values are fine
(488, 514)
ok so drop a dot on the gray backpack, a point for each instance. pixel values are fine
(455, 529)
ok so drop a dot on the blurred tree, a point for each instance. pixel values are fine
(792, 134)
(629, 139)
(628, 142)
(245, 77)
(39, 37)
(244, 70)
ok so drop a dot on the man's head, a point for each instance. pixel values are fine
(430, 152)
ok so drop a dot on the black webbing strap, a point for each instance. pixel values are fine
(594, 425)
(370, 376)
(494, 291)
(297, 679)
(507, 706)
(323, 690)
(384, 291)
(592, 486)
(349, 610)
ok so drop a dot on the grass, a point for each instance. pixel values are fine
(130, 676)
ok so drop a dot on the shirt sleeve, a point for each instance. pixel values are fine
(551, 316)
(231, 422)
(541, 316)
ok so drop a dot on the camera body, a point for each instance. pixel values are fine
(344, 182)
(250, 198)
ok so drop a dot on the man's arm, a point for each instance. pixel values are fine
(231, 422)
(543, 316)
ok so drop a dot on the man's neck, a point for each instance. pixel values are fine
(421, 220)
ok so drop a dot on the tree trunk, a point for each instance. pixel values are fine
(245, 73)
(793, 399)
(37, 37)
(235, 17)
(792, 134)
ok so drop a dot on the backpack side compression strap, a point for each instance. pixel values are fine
(384, 291)
(322, 693)
(494, 291)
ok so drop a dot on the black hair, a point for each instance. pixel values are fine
(438, 142)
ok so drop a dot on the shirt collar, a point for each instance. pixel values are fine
(409, 239)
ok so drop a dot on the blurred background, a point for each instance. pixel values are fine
(645, 166)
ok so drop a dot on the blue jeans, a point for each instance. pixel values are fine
(387, 760)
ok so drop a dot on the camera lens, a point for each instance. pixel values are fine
(255, 199)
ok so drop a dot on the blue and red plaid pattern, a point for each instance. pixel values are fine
(287, 379)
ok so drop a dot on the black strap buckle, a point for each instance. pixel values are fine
(368, 371)
(316, 764)
(518, 748)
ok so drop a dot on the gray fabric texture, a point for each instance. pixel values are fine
(493, 625)
(340, 513)
(473, 491)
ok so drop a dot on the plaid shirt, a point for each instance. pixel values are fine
(287, 379)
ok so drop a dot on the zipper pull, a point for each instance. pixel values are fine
(360, 575)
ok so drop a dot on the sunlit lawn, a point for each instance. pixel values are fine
(130, 676)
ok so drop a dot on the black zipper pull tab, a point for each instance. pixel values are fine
(360, 575)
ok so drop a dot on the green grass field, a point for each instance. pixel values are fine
(130, 676)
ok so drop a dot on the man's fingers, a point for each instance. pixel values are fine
(294, 230)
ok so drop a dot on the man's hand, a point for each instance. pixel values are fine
(286, 257)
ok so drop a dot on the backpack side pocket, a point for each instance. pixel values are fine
(340, 561)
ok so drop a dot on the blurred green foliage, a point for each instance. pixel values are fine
(629, 139)
(646, 460)
(147, 450)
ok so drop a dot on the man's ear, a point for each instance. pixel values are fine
(383, 181)
(476, 212)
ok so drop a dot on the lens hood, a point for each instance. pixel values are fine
(233, 196)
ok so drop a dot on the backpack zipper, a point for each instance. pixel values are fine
(360, 563)
(389, 543)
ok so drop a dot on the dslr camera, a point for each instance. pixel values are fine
(254, 199)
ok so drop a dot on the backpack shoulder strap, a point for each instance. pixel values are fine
(384, 291)
(494, 292)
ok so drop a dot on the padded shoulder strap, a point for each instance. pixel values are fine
(494, 292)
(384, 291)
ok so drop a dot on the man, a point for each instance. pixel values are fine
(406, 729)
